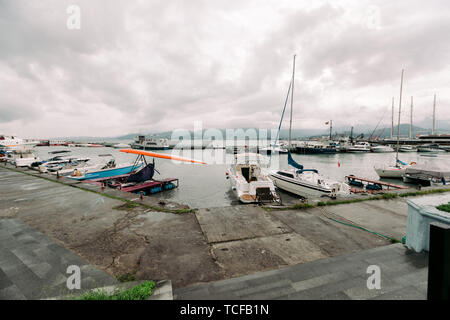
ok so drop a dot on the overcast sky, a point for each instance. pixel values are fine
(148, 66)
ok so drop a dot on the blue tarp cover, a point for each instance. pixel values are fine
(142, 175)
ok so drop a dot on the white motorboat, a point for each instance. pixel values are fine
(22, 158)
(382, 149)
(121, 146)
(58, 162)
(76, 168)
(407, 149)
(248, 181)
(433, 148)
(359, 147)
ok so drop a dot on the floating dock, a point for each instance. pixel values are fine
(147, 187)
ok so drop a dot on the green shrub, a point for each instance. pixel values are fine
(139, 292)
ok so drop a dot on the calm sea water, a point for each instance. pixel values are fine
(206, 186)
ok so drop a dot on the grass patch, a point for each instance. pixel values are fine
(384, 196)
(444, 207)
(303, 206)
(139, 292)
(127, 277)
(422, 193)
(127, 206)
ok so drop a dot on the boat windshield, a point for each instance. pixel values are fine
(252, 158)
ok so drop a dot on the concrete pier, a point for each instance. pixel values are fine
(193, 246)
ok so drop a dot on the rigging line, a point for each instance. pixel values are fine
(382, 117)
(282, 115)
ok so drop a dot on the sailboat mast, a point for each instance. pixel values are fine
(434, 114)
(392, 127)
(399, 111)
(292, 102)
(411, 125)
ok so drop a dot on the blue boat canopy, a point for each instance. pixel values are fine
(401, 162)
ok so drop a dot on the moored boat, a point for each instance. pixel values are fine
(143, 143)
(248, 181)
(106, 170)
(426, 175)
(393, 171)
(359, 147)
(434, 148)
(316, 148)
(406, 148)
(381, 149)
(307, 182)
(22, 158)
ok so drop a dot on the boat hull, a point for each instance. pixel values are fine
(297, 187)
(246, 192)
(351, 150)
(306, 150)
(25, 162)
(395, 173)
(106, 173)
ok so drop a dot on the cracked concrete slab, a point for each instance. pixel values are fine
(237, 223)
(264, 253)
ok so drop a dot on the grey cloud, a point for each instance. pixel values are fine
(157, 64)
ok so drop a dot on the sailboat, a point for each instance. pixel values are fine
(398, 169)
(305, 182)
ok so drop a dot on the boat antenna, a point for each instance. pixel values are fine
(399, 111)
(376, 127)
(392, 127)
(434, 115)
(411, 125)
(282, 115)
(331, 128)
(292, 102)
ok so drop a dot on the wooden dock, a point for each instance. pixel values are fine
(382, 184)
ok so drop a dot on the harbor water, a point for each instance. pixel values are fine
(202, 186)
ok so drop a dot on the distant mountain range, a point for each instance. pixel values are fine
(384, 132)
(422, 127)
